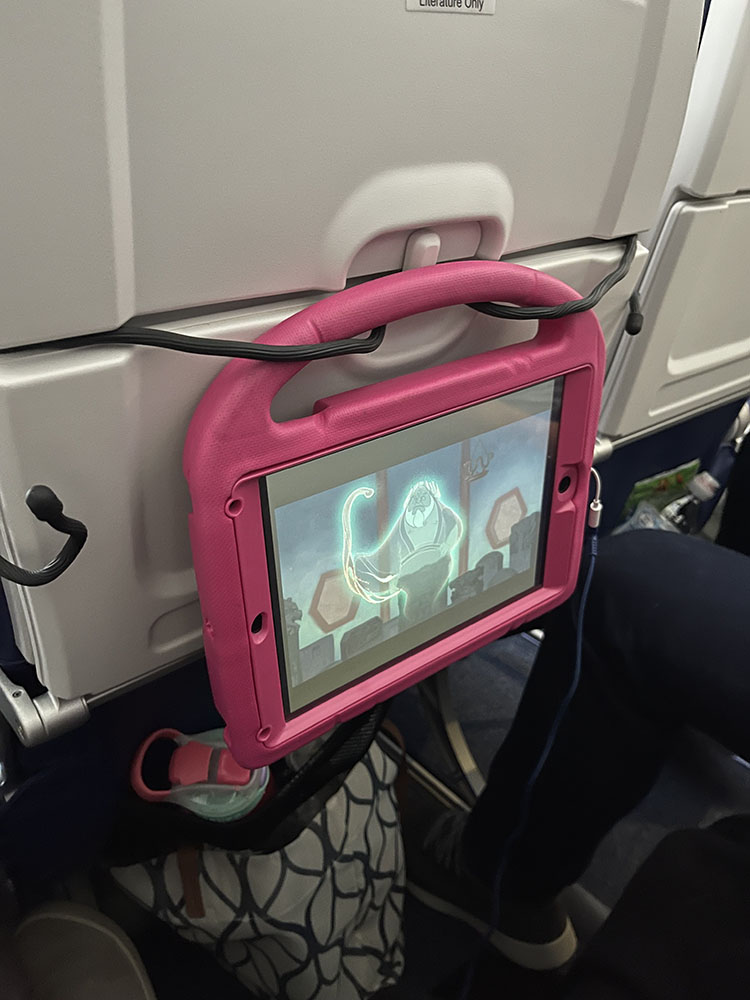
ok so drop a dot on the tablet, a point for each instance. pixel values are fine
(377, 550)
(346, 555)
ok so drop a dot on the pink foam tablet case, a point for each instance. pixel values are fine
(233, 444)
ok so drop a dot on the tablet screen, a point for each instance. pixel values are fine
(379, 549)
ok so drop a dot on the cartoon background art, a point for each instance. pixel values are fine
(365, 560)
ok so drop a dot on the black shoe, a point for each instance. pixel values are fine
(535, 936)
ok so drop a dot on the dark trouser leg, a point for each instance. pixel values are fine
(667, 643)
(681, 927)
(734, 532)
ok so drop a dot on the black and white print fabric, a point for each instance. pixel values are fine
(319, 919)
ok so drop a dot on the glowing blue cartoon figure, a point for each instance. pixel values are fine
(414, 561)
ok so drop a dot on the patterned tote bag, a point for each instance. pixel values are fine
(319, 917)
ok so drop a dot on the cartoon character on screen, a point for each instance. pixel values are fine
(414, 561)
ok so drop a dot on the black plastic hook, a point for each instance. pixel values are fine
(45, 505)
(634, 321)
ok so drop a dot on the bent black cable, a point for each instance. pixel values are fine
(45, 505)
(565, 308)
(148, 337)
(168, 340)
